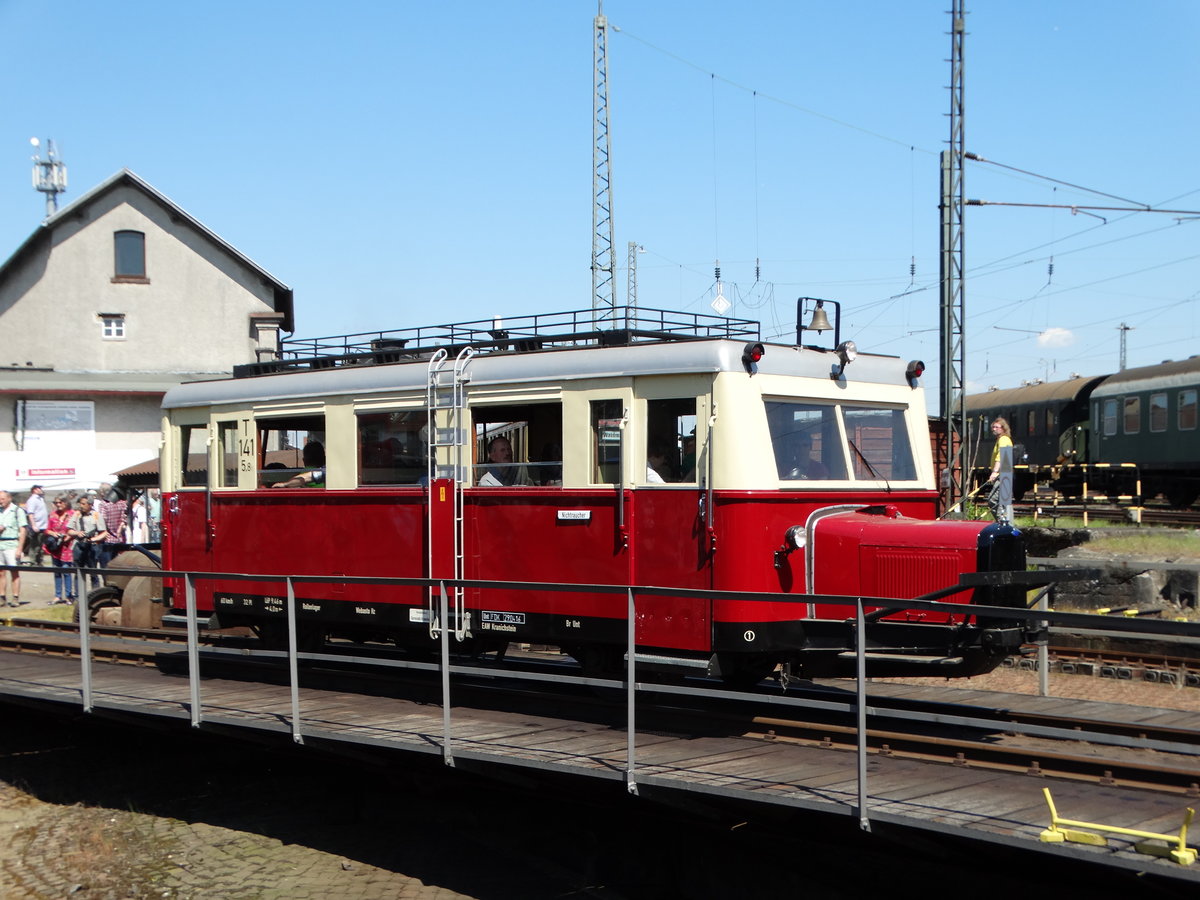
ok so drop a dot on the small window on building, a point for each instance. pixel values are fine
(393, 447)
(1110, 418)
(112, 326)
(1187, 410)
(671, 440)
(1158, 412)
(1133, 415)
(129, 250)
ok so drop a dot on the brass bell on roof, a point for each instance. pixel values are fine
(820, 321)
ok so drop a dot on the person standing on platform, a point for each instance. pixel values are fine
(13, 530)
(113, 513)
(61, 524)
(89, 535)
(35, 509)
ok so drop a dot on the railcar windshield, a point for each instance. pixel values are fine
(834, 442)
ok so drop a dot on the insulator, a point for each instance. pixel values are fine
(1050, 270)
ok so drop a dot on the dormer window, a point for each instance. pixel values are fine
(129, 252)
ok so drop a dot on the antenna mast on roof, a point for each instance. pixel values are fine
(603, 263)
(49, 175)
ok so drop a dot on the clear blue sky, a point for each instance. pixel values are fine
(404, 163)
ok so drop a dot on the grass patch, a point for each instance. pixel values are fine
(1170, 547)
(49, 613)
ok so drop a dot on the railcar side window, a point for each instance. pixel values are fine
(227, 441)
(1158, 412)
(607, 416)
(671, 440)
(1187, 410)
(1133, 415)
(291, 447)
(393, 447)
(879, 447)
(1110, 418)
(1050, 421)
(193, 462)
(518, 444)
(805, 440)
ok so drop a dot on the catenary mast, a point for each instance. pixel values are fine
(953, 350)
(603, 268)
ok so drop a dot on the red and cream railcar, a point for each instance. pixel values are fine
(667, 455)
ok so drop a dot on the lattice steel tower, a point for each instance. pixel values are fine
(49, 175)
(953, 355)
(603, 267)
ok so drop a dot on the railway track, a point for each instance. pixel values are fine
(1014, 737)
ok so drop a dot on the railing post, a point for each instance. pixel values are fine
(85, 646)
(447, 752)
(293, 662)
(193, 647)
(860, 649)
(630, 695)
(1043, 645)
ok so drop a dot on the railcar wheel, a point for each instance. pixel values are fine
(273, 635)
(742, 671)
(599, 661)
(104, 606)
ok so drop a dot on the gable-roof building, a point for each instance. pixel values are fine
(109, 302)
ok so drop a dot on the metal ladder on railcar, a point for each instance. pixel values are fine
(448, 430)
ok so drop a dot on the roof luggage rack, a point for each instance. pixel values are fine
(618, 327)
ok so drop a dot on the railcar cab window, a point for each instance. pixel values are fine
(291, 451)
(806, 442)
(608, 417)
(879, 447)
(393, 447)
(193, 457)
(671, 441)
(518, 445)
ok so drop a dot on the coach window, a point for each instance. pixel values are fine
(805, 439)
(518, 445)
(879, 447)
(1133, 415)
(1158, 412)
(1110, 418)
(291, 447)
(1049, 421)
(193, 459)
(1187, 410)
(393, 447)
(1031, 422)
(670, 440)
(608, 419)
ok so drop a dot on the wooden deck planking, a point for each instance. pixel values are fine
(905, 790)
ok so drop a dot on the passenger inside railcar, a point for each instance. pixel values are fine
(501, 471)
(314, 460)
